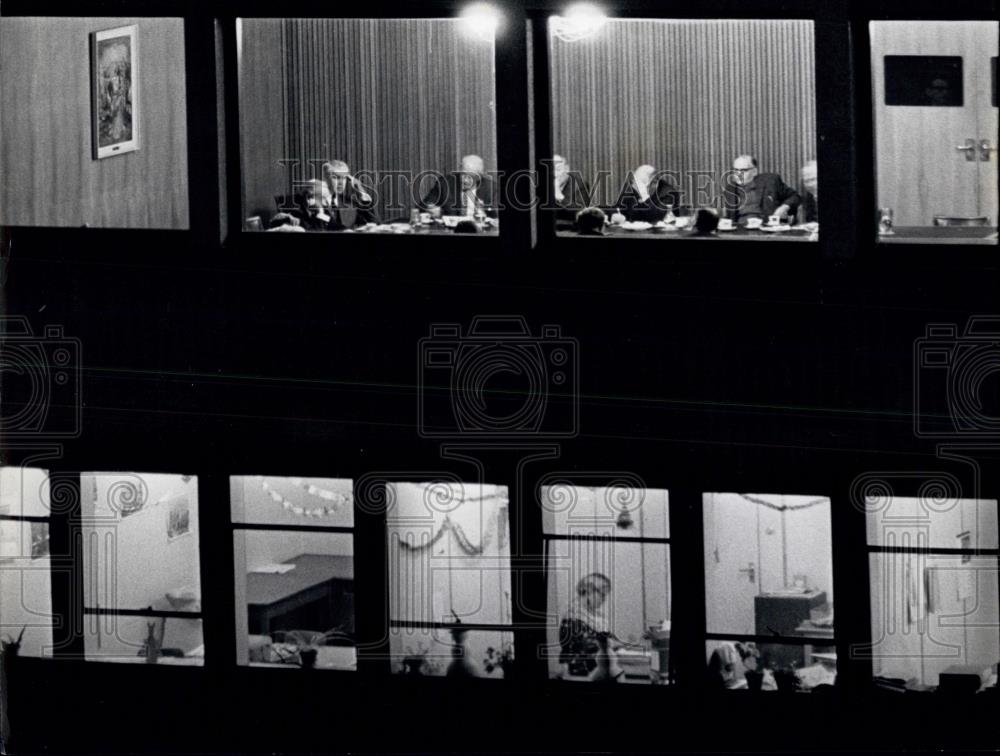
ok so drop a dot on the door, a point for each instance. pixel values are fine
(932, 101)
(732, 567)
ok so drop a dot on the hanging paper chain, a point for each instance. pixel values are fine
(336, 499)
(769, 505)
(464, 543)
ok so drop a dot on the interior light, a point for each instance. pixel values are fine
(580, 20)
(481, 20)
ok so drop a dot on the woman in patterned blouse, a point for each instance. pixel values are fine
(584, 637)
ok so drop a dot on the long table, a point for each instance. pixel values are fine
(941, 235)
(670, 232)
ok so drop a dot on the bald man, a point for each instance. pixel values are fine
(647, 195)
(467, 191)
(752, 194)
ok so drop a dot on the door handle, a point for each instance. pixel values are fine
(985, 150)
(969, 148)
(751, 572)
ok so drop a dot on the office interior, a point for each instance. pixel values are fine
(215, 360)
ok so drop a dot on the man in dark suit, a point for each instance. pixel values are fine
(647, 196)
(752, 194)
(350, 204)
(467, 192)
(809, 209)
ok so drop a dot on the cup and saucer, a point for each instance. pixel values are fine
(726, 224)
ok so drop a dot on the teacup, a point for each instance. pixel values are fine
(425, 218)
(725, 224)
(774, 220)
(754, 222)
(682, 221)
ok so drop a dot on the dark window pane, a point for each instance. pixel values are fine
(924, 80)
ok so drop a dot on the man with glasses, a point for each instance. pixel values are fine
(752, 194)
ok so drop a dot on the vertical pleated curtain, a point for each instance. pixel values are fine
(388, 95)
(685, 96)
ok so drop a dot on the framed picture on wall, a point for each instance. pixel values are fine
(114, 77)
(178, 517)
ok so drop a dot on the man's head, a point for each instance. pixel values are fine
(744, 170)
(560, 168)
(338, 174)
(590, 221)
(643, 175)
(316, 195)
(809, 178)
(472, 171)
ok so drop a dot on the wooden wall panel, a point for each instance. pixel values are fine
(383, 95)
(685, 96)
(49, 175)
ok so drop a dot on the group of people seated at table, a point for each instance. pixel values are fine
(650, 195)
(339, 201)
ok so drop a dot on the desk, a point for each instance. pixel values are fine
(942, 235)
(318, 593)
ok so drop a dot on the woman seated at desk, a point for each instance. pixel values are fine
(586, 643)
(647, 196)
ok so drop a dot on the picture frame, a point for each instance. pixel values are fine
(178, 517)
(114, 78)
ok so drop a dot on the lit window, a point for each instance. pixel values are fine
(608, 568)
(293, 544)
(130, 522)
(769, 591)
(449, 580)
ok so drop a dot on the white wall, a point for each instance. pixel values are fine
(129, 562)
(25, 583)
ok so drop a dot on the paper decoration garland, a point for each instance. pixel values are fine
(466, 545)
(337, 500)
(769, 505)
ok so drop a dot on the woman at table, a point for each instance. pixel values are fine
(587, 646)
(569, 192)
(646, 196)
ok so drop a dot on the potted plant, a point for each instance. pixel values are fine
(502, 658)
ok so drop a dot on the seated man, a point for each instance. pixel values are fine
(350, 204)
(569, 192)
(313, 206)
(647, 196)
(808, 210)
(466, 192)
(751, 194)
